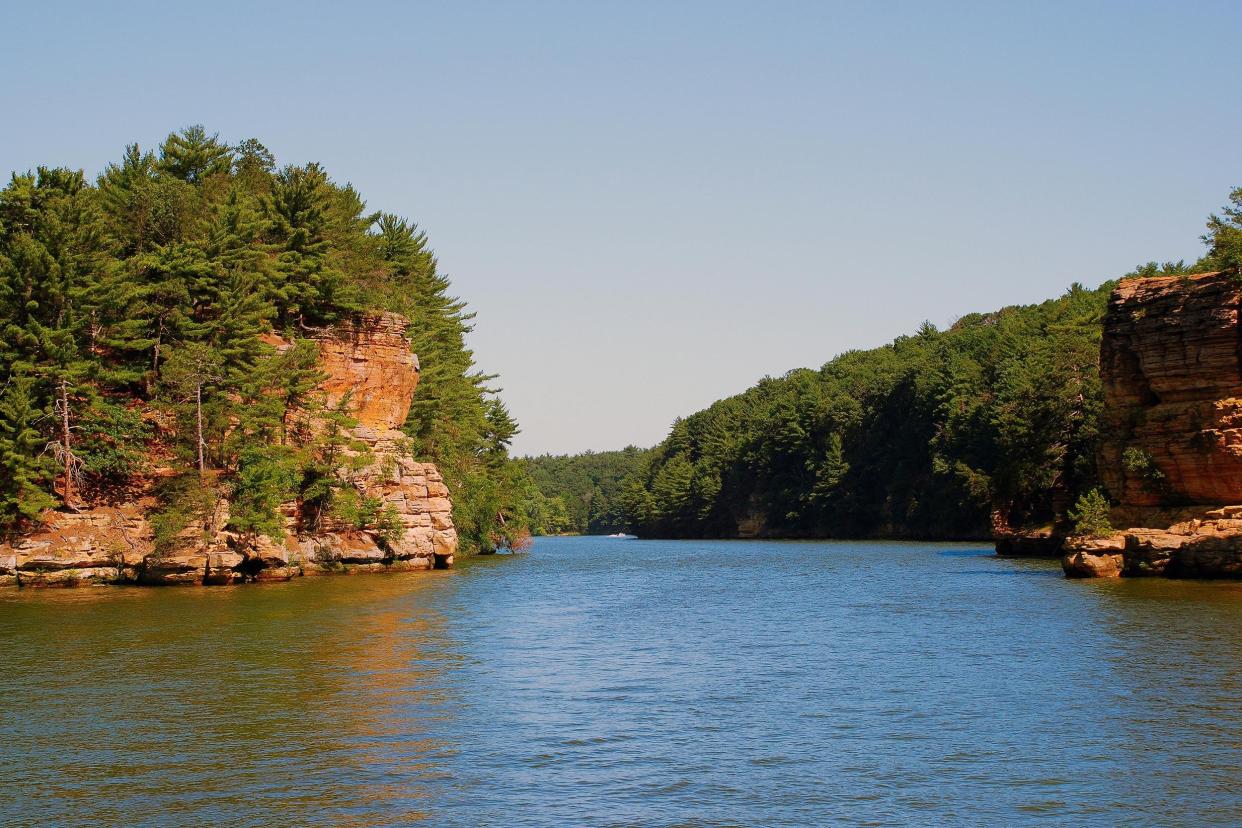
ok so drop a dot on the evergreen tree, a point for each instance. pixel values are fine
(192, 375)
(1224, 237)
(193, 156)
(23, 474)
(309, 289)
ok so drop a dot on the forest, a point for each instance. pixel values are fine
(132, 314)
(988, 425)
(582, 492)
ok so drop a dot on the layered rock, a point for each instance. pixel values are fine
(1171, 453)
(1205, 547)
(367, 363)
(104, 545)
(1171, 365)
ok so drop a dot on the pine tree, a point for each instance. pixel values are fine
(191, 376)
(1224, 237)
(253, 165)
(55, 255)
(309, 290)
(193, 156)
(23, 472)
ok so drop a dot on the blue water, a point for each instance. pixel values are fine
(605, 682)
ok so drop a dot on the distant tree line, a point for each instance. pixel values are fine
(132, 315)
(991, 424)
(581, 493)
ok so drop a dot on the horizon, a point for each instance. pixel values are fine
(651, 209)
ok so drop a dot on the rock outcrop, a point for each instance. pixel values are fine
(1094, 557)
(367, 363)
(1171, 364)
(1171, 452)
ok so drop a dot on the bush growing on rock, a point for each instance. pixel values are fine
(1090, 515)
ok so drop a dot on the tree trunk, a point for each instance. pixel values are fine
(198, 402)
(155, 355)
(64, 436)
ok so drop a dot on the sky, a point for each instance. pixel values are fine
(651, 206)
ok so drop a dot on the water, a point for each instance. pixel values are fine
(605, 682)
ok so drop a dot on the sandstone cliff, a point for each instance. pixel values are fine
(367, 363)
(1171, 452)
(1171, 364)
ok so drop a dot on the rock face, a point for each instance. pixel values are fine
(1171, 455)
(367, 360)
(1171, 364)
(1206, 547)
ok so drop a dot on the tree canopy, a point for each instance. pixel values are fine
(132, 318)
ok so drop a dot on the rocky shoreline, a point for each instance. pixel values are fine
(1171, 447)
(367, 365)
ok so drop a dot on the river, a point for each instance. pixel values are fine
(605, 682)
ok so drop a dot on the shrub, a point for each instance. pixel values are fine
(1090, 515)
(1142, 464)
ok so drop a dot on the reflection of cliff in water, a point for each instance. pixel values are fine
(295, 692)
(389, 695)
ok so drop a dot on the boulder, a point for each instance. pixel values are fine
(1087, 557)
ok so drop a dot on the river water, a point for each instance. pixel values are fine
(605, 682)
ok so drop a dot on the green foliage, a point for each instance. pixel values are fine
(931, 436)
(1142, 465)
(185, 501)
(1090, 515)
(144, 300)
(267, 476)
(193, 156)
(365, 512)
(581, 493)
(25, 474)
(1178, 268)
(1224, 237)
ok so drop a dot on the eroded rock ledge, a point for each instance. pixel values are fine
(368, 359)
(1171, 455)
(1209, 546)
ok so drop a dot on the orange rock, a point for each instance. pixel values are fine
(370, 359)
(1172, 374)
(1094, 557)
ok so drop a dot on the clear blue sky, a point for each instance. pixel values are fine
(652, 205)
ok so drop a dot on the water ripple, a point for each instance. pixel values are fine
(598, 683)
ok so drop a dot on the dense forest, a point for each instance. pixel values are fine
(582, 492)
(940, 434)
(132, 315)
(991, 424)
